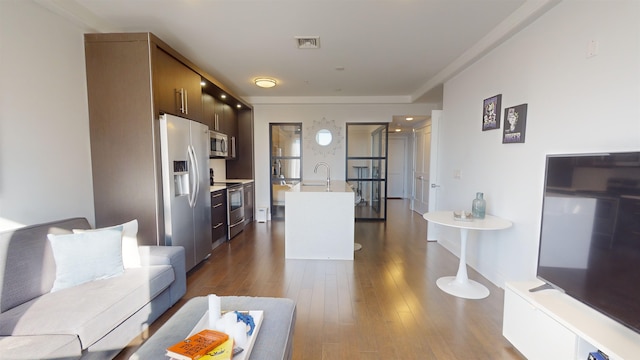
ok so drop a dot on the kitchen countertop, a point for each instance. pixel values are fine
(222, 187)
(243, 181)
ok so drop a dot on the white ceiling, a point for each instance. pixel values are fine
(371, 51)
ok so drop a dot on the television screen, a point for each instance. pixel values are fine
(590, 235)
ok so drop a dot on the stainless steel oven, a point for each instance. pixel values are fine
(235, 210)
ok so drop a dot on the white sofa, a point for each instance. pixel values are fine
(93, 320)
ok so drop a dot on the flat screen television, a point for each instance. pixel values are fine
(590, 232)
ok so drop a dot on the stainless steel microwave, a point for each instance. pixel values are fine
(219, 146)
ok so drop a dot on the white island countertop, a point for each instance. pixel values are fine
(321, 186)
(319, 224)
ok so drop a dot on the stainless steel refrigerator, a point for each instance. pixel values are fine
(184, 152)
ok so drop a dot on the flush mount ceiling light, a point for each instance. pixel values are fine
(265, 82)
(409, 118)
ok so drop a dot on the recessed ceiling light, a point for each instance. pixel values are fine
(409, 118)
(223, 96)
(239, 106)
(398, 130)
(265, 82)
(202, 83)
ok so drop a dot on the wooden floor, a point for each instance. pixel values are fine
(383, 305)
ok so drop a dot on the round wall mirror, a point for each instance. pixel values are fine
(323, 137)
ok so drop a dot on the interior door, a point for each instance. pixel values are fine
(397, 167)
(422, 162)
(286, 155)
(366, 168)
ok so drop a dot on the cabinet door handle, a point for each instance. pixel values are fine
(217, 225)
(181, 92)
(186, 102)
(217, 195)
(217, 205)
(233, 146)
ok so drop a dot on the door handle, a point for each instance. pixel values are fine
(433, 186)
(197, 168)
(195, 177)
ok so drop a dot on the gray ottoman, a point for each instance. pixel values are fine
(274, 341)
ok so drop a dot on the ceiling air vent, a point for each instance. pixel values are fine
(308, 42)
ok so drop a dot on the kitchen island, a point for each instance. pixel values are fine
(319, 222)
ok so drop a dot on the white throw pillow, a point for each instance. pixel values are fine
(85, 257)
(130, 254)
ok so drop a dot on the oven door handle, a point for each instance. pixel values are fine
(239, 222)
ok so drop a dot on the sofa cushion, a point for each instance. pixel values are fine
(90, 310)
(130, 252)
(84, 257)
(22, 278)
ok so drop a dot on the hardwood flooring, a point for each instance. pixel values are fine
(383, 305)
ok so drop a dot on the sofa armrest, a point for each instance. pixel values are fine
(168, 255)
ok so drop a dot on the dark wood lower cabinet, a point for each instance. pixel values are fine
(218, 217)
(248, 203)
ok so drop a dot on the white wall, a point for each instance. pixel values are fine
(45, 161)
(575, 104)
(307, 114)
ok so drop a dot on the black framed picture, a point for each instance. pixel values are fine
(491, 112)
(515, 123)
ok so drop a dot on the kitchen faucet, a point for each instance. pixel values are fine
(328, 173)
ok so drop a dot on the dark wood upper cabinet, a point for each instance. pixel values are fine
(230, 127)
(242, 166)
(177, 88)
(230, 121)
(208, 114)
(219, 112)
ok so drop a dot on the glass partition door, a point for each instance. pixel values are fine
(285, 171)
(367, 169)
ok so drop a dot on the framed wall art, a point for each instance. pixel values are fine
(491, 112)
(515, 123)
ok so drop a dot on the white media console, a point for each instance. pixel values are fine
(548, 324)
